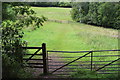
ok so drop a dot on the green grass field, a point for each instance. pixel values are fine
(54, 13)
(71, 36)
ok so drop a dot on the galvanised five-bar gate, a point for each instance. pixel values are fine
(86, 54)
(49, 55)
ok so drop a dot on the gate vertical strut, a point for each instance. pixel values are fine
(91, 60)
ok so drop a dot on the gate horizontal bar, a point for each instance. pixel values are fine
(62, 65)
(32, 59)
(109, 70)
(34, 66)
(64, 68)
(99, 64)
(32, 47)
(81, 51)
(81, 68)
(67, 71)
(83, 64)
(61, 74)
(32, 54)
(35, 59)
(61, 57)
(112, 67)
(86, 56)
(77, 61)
(35, 63)
(104, 56)
(106, 73)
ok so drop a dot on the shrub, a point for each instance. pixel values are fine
(12, 69)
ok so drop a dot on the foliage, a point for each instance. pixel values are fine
(12, 29)
(12, 69)
(64, 4)
(7, 12)
(75, 14)
(104, 14)
(92, 15)
(79, 11)
(11, 38)
(16, 17)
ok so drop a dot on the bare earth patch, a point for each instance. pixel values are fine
(53, 63)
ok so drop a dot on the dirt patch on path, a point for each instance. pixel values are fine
(54, 62)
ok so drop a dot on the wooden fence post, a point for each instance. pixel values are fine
(45, 64)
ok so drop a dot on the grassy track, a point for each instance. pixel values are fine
(71, 36)
(53, 13)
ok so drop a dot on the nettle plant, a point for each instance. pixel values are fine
(17, 18)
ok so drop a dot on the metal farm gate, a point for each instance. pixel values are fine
(61, 63)
(65, 63)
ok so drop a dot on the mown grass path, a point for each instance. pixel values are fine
(70, 36)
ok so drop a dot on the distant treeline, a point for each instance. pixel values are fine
(51, 4)
(106, 14)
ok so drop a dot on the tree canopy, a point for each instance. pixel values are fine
(16, 16)
(104, 14)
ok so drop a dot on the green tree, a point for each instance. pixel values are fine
(105, 14)
(117, 16)
(12, 26)
(79, 11)
(92, 15)
(16, 16)
(75, 14)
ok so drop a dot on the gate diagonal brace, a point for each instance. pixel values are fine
(107, 64)
(33, 55)
(71, 62)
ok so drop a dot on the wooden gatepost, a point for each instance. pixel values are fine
(45, 59)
